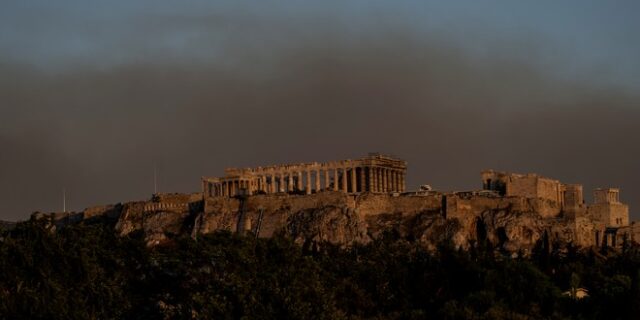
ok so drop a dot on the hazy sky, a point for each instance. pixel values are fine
(94, 94)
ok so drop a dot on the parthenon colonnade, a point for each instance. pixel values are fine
(374, 173)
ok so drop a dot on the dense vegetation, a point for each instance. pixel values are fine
(85, 271)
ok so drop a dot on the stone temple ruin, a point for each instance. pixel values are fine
(374, 173)
(605, 221)
(359, 200)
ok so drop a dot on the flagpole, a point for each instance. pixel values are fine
(155, 179)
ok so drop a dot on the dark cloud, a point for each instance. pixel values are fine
(271, 93)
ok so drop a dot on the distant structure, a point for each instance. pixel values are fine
(523, 185)
(604, 222)
(608, 209)
(375, 173)
(356, 200)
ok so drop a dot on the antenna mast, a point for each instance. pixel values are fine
(64, 200)
(155, 179)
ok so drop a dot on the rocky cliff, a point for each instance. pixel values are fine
(510, 223)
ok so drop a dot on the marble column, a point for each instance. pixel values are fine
(344, 179)
(271, 185)
(354, 180)
(335, 179)
(326, 179)
(317, 180)
(289, 181)
(308, 182)
(374, 179)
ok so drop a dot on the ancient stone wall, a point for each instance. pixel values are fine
(551, 190)
(573, 196)
(526, 186)
(176, 197)
(611, 214)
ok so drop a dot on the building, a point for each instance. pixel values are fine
(374, 173)
(608, 209)
(604, 222)
(524, 185)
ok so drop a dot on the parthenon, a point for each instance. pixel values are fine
(374, 173)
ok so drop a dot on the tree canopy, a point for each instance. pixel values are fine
(85, 271)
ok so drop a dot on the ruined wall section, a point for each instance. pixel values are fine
(551, 190)
(530, 186)
(611, 214)
(526, 186)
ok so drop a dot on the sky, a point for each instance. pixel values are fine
(95, 94)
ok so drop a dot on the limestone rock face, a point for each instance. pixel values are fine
(340, 225)
(156, 224)
(512, 224)
(329, 216)
(509, 223)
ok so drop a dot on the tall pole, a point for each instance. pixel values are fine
(155, 179)
(64, 200)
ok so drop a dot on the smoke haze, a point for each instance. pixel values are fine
(255, 91)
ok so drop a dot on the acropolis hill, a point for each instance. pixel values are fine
(358, 200)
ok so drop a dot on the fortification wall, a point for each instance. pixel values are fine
(526, 186)
(177, 197)
(549, 189)
(370, 204)
(611, 214)
(461, 207)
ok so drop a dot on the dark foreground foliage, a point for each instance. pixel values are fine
(86, 272)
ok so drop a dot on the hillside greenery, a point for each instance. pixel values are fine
(85, 271)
